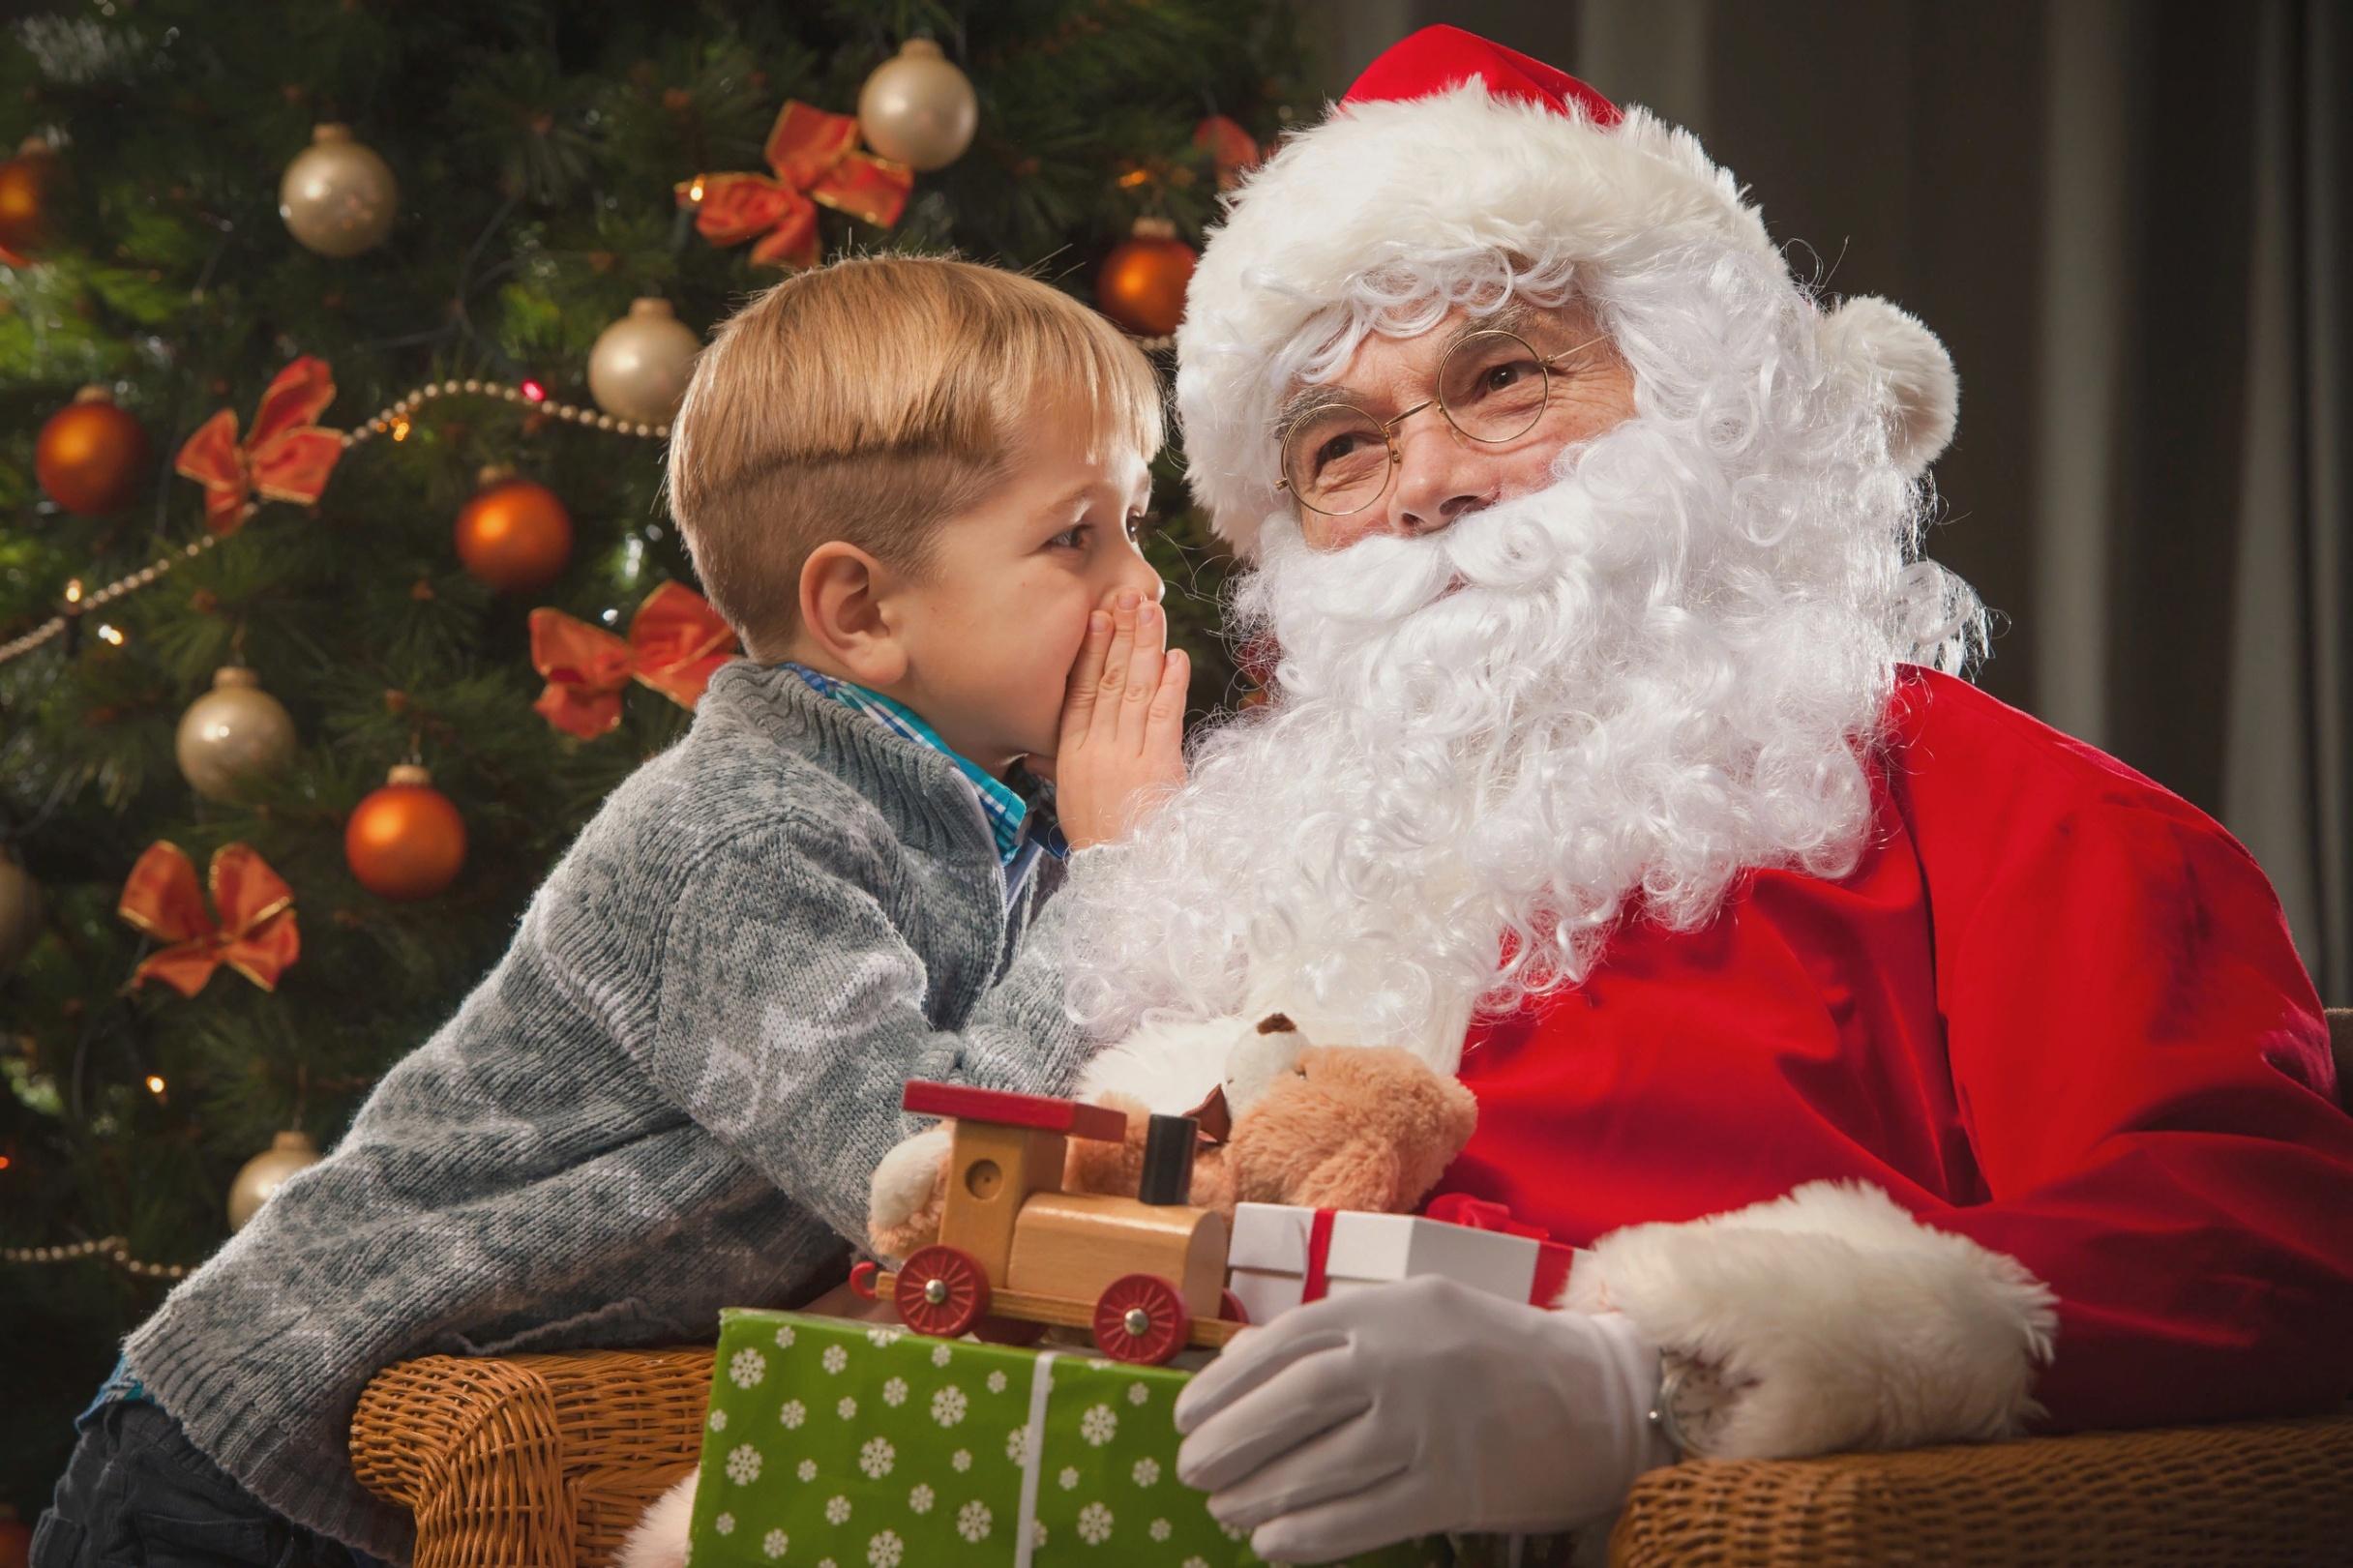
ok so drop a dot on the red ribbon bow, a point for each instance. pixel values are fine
(256, 934)
(816, 157)
(286, 458)
(675, 641)
(1553, 1258)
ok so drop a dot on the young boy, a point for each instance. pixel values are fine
(912, 487)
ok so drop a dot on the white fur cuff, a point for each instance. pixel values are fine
(1856, 1325)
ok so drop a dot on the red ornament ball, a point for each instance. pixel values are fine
(406, 840)
(1142, 282)
(91, 456)
(1232, 151)
(514, 535)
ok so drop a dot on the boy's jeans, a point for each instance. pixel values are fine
(138, 1493)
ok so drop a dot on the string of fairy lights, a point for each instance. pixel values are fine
(393, 421)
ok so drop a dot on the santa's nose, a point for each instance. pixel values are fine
(1440, 477)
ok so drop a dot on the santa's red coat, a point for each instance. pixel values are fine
(2055, 1011)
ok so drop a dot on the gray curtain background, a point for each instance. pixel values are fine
(2126, 220)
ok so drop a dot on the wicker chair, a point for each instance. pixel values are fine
(546, 1462)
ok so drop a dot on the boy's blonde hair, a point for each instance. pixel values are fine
(870, 400)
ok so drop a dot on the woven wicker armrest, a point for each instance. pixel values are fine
(2256, 1491)
(530, 1461)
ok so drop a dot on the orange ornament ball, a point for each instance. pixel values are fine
(91, 456)
(514, 535)
(30, 184)
(406, 840)
(1142, 282)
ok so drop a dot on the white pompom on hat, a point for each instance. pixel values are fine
(1450, 144)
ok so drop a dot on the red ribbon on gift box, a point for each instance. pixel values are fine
(1553, 1258)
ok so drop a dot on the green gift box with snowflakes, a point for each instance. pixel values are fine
(868, 1446)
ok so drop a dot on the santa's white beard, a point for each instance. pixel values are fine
(1634, 695)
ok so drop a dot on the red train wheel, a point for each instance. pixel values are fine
(940, 1290)
(1139, 1317)
(1230, 1308)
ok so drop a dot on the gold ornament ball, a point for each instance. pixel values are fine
(232, 734)
(265, 1173)
(20, 912)
(30, 184)
(406, 840)
(91, 456)
(338, 197)
(639, 368)
(1142, 282)
(514, 535)
(917, 108)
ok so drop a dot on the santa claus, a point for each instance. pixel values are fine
(1908, 1071)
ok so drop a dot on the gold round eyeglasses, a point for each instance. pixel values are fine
(1492, 387)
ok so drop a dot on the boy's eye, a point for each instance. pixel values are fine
(1141, 524)
(1069, 537)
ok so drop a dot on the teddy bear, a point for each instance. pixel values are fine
(1321, 1126)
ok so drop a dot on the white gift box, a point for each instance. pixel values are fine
(1268, 1259)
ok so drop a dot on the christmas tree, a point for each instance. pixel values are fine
(336, 342)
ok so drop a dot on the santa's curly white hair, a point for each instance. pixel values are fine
(1667, 666)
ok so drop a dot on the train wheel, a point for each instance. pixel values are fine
(1019, 1332)
(1140, 1318)
(1230, 1308)
(940, 1290)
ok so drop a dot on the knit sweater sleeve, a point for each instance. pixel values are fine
(793, 1010)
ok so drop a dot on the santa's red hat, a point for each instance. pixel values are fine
(1448, 143)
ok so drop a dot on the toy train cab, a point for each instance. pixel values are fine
(1017, 1253)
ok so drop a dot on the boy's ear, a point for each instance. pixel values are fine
(843, 618)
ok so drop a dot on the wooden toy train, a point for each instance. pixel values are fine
(1017, 1253)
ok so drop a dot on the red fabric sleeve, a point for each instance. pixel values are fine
(2144, 1073)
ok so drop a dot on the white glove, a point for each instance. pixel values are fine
(1418, 1407)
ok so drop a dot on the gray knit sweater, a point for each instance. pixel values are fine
(668, 1097)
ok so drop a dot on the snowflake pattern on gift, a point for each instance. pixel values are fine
(961, 1461)
(894, 1392)
(837, 1509)
(877, 1457)
(719, 1421)
(919, 1501)
(1037, 1535)
(847, 1407)
(884, 1551)
(1137, 1394)
(747, 1367)
(882, 1338)
(1069, 1478)
(807, 1470)
(940, 1355)
(725, 1524)
(996, 1383)
(785, 1336)
(1095, 1523)
(743, 1465)
(1147, 1472)
(948, 1404)
(794, 1413)
(775, 1543)
(1189, 1563)
(1158, 1530)
(1017, 1445)
(1099, 1425)
(972, 1520)
(834, 1359)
